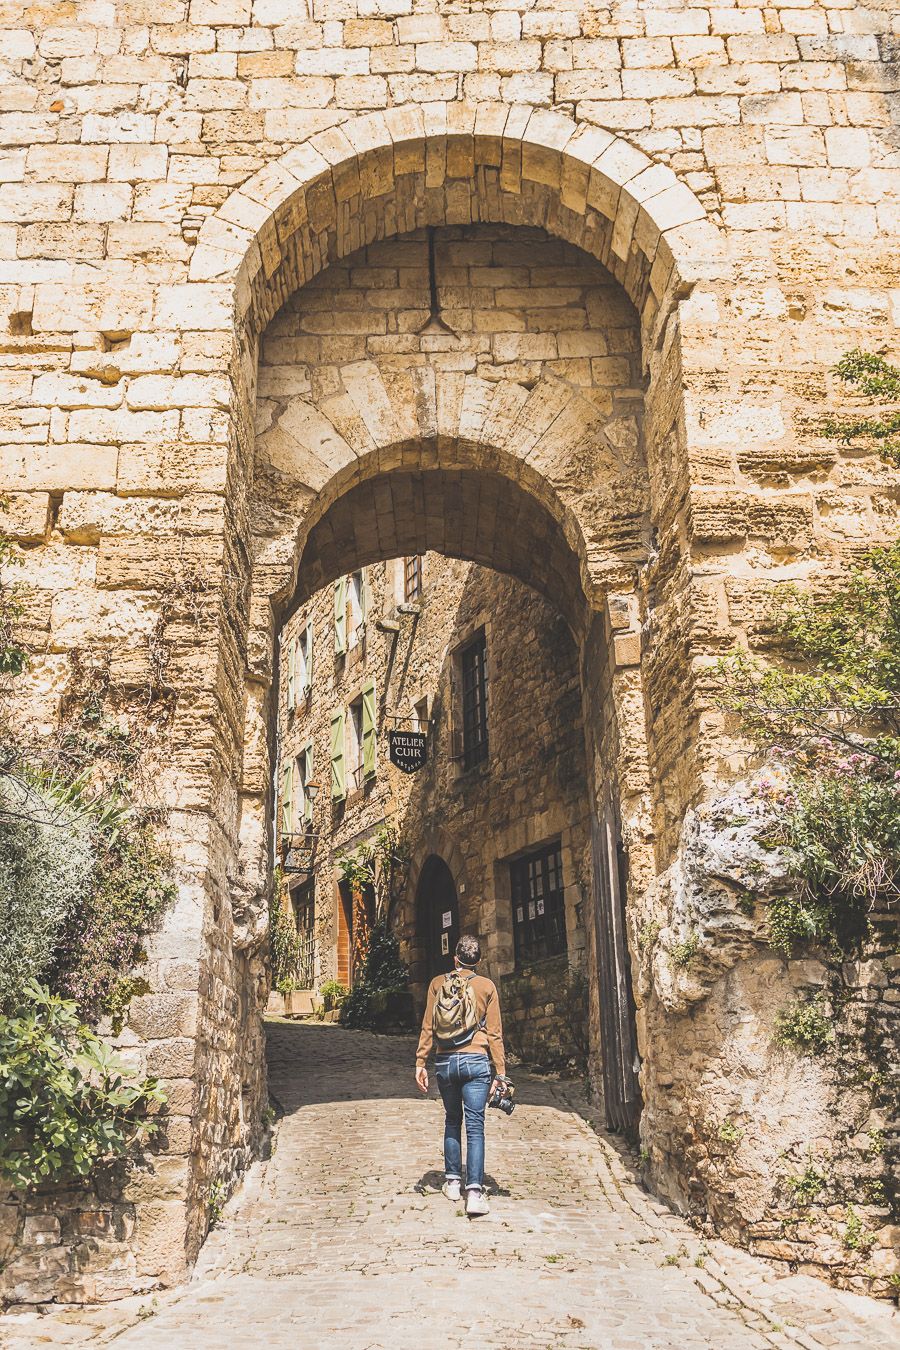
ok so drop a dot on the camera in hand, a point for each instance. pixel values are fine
(503, 1096)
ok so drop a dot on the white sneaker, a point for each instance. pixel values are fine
(476, 1203)
(452, 1189)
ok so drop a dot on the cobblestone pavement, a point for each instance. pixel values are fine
(344, 1233)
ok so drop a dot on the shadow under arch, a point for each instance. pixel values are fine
(476, 515)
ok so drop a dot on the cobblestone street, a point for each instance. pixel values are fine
(344, 1233)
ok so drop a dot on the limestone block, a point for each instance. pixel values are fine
(142, 563)
(25, 516)
(74, 614)
(848, 147)
(103, 202)
(196, 305)
(446, 56)
(71, 391)
(137, 163)
(68, 163)
(113, 310)
(121, 424)
(54, 468)
(717, 516)
(160, 1226)
(185, 391)
(157, 1016)
(25, 204)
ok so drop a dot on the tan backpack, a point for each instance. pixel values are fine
(455, 1018)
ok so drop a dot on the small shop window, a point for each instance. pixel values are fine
(538, 904)
(303, 903)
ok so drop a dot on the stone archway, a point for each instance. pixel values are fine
(536, 469)
(370, 179)
(409, 168)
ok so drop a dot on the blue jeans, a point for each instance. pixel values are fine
(465, 1084)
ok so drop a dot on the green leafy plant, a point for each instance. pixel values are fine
(215, 1202)
(682, 953)
(14, 655)
(805, 1026)
(382, 972)
(829, 721)
(284, 941)
(378, 864)
(806, 1185)
(876, 379)
(729, 1132)
(67, 1103)
(333, 994)
(47, 858)
(104, 935)
(856, 1237)
(647, 935)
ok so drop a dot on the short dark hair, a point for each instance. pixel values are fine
(468, 951)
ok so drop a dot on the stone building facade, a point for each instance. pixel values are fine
(177, 177)
(487, 813)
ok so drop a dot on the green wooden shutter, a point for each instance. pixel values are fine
(368, 728)
(307, 776)
(340, 615)
(287, 804)
(309, 657)
(292, 673)
(338, 776)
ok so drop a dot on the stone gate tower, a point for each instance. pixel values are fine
(173, 172)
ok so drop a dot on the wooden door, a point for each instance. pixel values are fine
(618, 1037)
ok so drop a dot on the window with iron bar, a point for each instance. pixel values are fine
(538, 904)
(473, 668)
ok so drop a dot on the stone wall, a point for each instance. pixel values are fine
(172, 173)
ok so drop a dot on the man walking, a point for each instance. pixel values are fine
(462, 1022)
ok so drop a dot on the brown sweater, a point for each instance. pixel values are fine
(487, 1041)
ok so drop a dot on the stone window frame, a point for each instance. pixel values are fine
(540, 854)
(523, 837)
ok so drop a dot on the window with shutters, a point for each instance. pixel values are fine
(361, 737)
(412, 579)
(290, 656)
(369, 730)
(303, 659)
(287, 799)
(304, 775)
(355, 745)
(340, 616)
(473, 678)
(538, 904)
(338, 769)
(357, 605)
(303, 904)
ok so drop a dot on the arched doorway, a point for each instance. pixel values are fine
(375, 178)
(437, 912)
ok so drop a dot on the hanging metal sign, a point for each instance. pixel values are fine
(408, 749)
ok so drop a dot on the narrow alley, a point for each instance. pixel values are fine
(343, 1237)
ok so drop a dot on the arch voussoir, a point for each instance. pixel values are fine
(384, 173)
